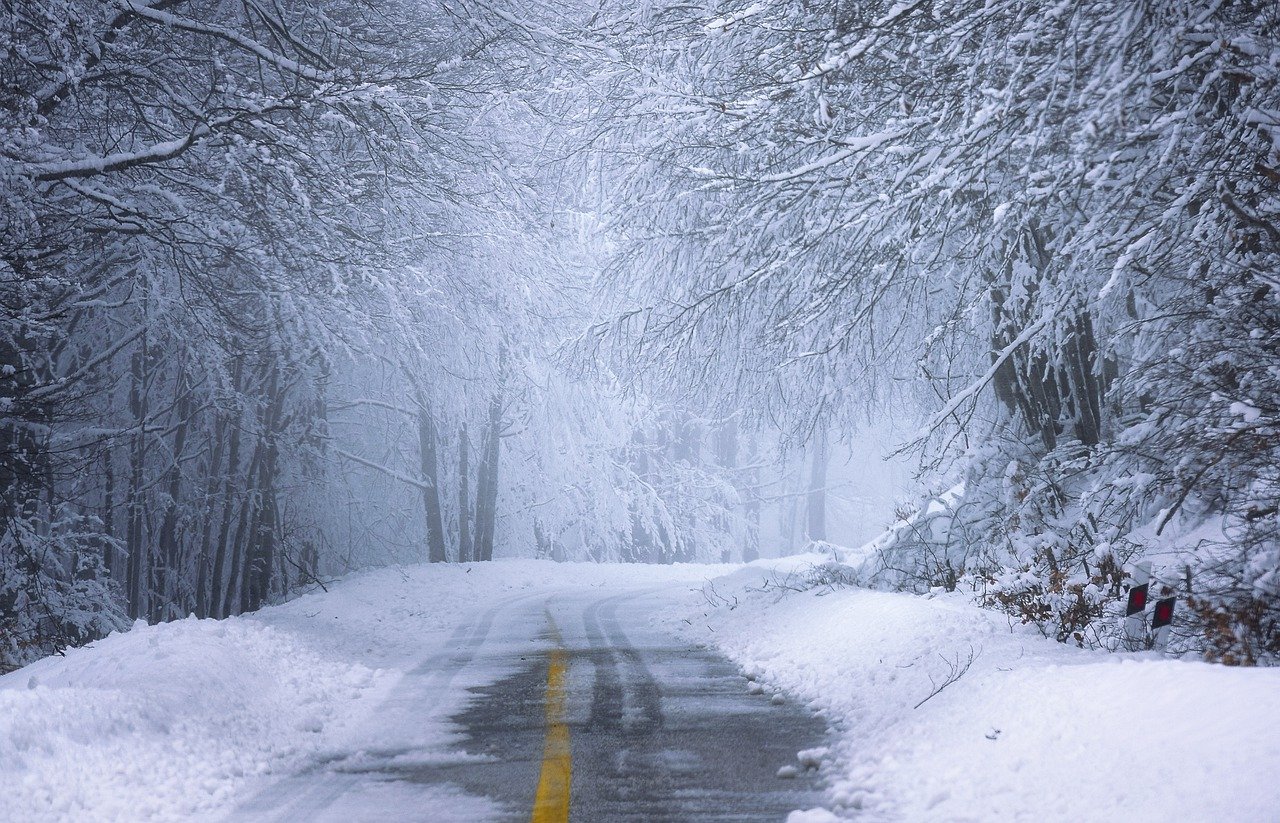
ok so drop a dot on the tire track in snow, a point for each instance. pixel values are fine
(308, 792)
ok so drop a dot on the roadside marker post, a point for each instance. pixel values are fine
(1135, 623)
(1162, 622)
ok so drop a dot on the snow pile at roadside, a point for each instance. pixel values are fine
(164, 721)
(1030, 730)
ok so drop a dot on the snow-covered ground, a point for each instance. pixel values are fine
(1034, 730)
(189, 720)
(186, 720)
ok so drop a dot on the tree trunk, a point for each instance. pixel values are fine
(487, 493)
(428, 449)
(751, 548)
(108, 513)
(168, 607)
(220, 582)
(817, 497)
(726, 449)
(789, 516)
(203, 598)
(234, 602)
(237, 592)
(261, 549)
(134, 542)
(464, 496)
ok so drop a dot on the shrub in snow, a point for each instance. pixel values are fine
(53, 592)
(918, 552)
(1006, 535)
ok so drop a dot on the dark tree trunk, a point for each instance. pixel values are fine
(235, 596)
(206, 536)
(25, 463)
(428, 455)
(686, 439)
(789, 515)
(482, 494)
(727, 444)
(169, 607)
(220, 582)
(135, 543)
(1053, 392)
(108, 512)
(237, 591)
(261, 549)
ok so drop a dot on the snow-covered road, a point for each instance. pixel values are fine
(510, 690)
(407, 694)
(657, 730)
(386, 766)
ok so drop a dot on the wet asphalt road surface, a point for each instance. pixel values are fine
(658, 730)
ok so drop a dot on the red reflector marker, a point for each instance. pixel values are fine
(1137, 599)
(1135, 625)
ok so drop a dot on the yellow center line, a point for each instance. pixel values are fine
(551, 803)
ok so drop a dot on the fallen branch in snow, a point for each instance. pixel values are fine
(773, 583)
(715, 598)
(956, 670)
(306, 574)
(825, 576)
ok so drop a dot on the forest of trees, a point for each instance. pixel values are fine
(1052, 228)
(295, 287)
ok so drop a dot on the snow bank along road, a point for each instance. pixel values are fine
(525, 690)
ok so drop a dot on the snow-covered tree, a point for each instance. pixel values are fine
(1010, 209)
